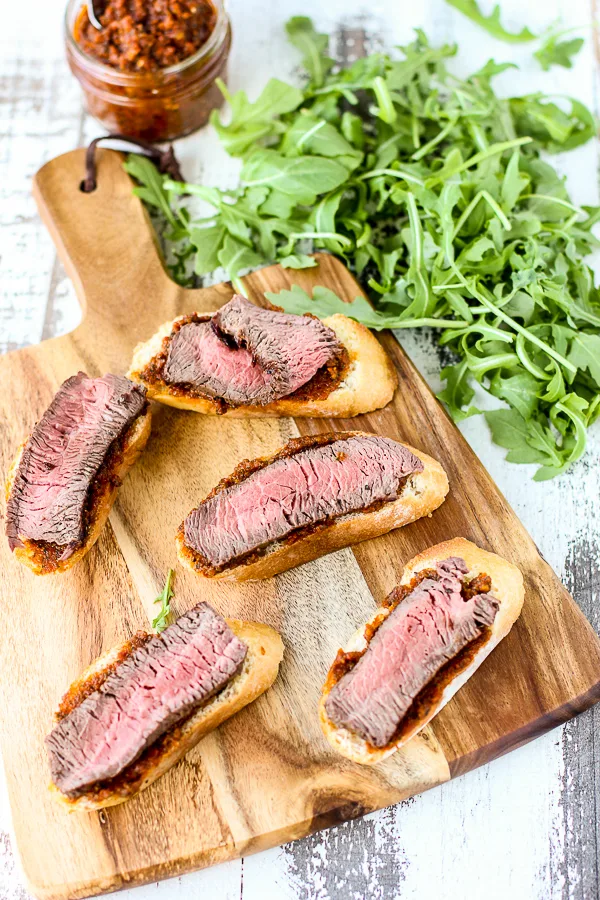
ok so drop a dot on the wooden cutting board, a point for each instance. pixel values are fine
(267, 776)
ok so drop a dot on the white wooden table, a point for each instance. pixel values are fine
(527, 826)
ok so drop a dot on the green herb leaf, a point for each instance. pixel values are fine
(252, 121)
(298, 261)
(313, 46)
(151, 184)
(554, 52)
(235, 256)
(208, 242)
(458, 393)
(161, 621)
(309, 134)
(491, 23)
(323, 303)
(509, 428)
(300, 177)
(585, 354)
(519, 391)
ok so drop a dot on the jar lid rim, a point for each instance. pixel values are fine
(107, 72)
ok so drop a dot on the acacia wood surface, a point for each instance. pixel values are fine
(268, 775)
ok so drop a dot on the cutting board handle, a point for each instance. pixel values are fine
(106, 231)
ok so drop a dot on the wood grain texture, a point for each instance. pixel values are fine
(267, 776)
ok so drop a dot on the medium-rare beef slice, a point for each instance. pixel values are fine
(160, 684)
(63, 455)
(197, 356)
(311, 486)
(424, 632)
(249, 355)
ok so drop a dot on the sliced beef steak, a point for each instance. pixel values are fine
(249, 355)
(199, 357)
(313, 485)
(63, 455)
(159, 685)
(424, 632)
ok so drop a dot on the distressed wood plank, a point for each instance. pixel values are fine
(485, 809)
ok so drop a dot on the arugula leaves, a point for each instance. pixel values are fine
(301, 32)
(491, 23)
(323, 303)
(161, 621)
(252, 121)
(299, 177)
(554, 52)
(434, 191)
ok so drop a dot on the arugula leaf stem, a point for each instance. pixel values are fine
(484, 364)
(482, 327)
(396, 173)
(580, 435)
(428, 147)
(478, 137)
(416, 256)
(528, 335)
(557, 200)
(239, 286)
(198, 190)
(394, 139)
(528, 363)
(442, 288)
(336, 88)
(387, 110)
(477, 158)
(482, 195)
(310, 133)
(427, 323)
(416, 138)
(322, 235)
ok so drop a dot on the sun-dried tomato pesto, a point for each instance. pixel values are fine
(151, 71)
(79, 690)
(146, 35)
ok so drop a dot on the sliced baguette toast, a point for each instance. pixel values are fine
(369, 382)
(135, 440)
(507, 588)
(259, 670)
(422, 494)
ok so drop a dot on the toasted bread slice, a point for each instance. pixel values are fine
(369, 382)
(135, 440)
(259, 670)
(422, 494)
(507, 588)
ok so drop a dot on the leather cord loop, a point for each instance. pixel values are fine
(165, 160)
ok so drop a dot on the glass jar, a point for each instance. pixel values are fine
(158, 106)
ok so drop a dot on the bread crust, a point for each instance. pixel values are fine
(422, 494)
(368, 384)
(507, 587)
(265, 652)
(136, 439)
